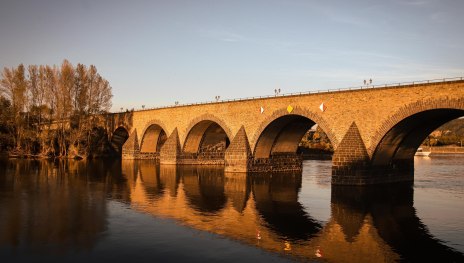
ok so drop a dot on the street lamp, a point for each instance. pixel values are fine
(217, 98)
(367, 82)
(176, 103)
(277, 91)
(143, 107)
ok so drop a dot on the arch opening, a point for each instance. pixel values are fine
(206, 143)
(152, 141)
(120, 136)
(397, 148)
(286, 141)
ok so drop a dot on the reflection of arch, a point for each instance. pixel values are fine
(170, 178)
(276, 199)
(237, 188)
(149, 174)
(394, 219)
(119, 137)
(303, 114)
(204, 188)
(206, 135)
(400, 136)
(153, 137)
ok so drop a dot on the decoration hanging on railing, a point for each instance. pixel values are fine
(262, 110)
(322, 107)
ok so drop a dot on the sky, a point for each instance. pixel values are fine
(154, 53)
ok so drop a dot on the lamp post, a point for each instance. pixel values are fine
(143, 107)
(176, 103)
(217, 98)
(368, 82)
(277, 91)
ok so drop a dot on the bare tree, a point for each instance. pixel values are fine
(68, 98)
(14, 87)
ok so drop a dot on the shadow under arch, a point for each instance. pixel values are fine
(298, 111)
(407, 129)
(410, 110)
(154, 136)
(119, 137)
(211, 118)
(206, 141)
(278, 138)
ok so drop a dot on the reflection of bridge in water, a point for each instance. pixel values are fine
(65, 203)
(366, 225)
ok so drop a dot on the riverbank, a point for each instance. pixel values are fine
(444, 150)
(315, 154)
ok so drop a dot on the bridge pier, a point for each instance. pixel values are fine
(149, 156)
(131, 149)
(238, 155)
(278, 162)
(351, 165)
(171, 151)
(351, 162)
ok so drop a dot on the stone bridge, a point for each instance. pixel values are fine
(374, 131)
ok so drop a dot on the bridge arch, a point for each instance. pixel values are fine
(208, 117)
(398, 138)
(206, 136)
(282, 131)
(154, 135)
(119, 137)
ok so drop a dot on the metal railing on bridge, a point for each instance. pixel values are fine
(362, 87)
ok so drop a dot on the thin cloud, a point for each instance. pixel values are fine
(222, 35)
(413, 2)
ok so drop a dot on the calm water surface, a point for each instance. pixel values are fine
(137, 211)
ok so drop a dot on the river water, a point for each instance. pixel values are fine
(136, 211)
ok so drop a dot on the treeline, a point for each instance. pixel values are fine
(315, 144)
(51, 110)
(451, 133)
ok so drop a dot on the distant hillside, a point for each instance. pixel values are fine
(454, 126)
(451, 133)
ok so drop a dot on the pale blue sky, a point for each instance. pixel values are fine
(158, 52)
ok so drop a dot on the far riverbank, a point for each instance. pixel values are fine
(444, 149)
